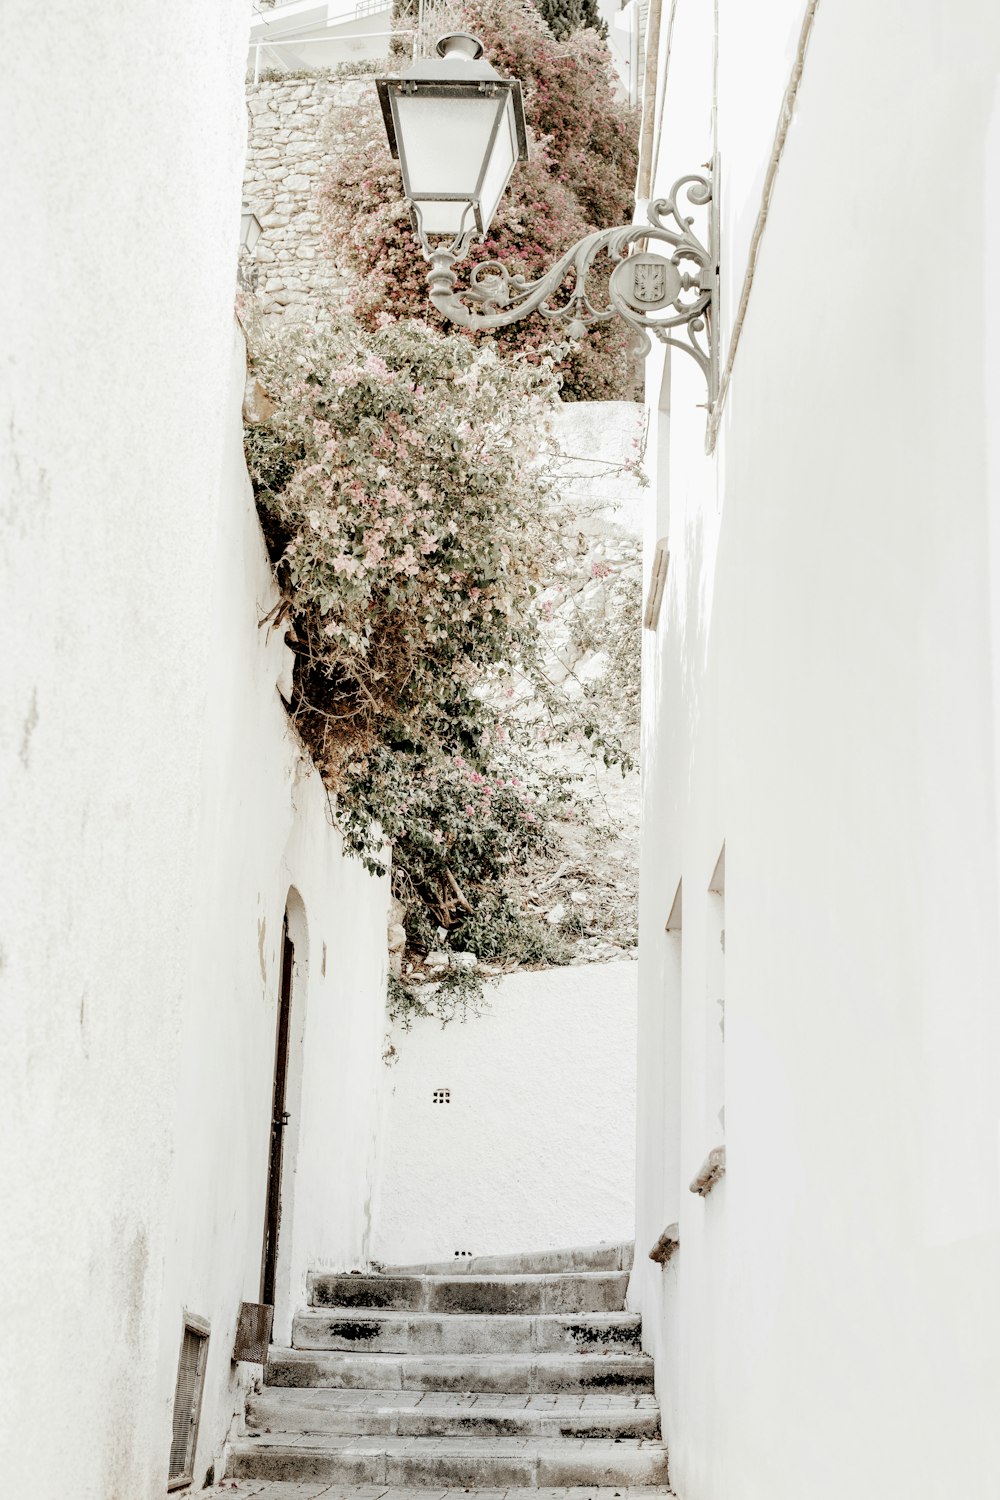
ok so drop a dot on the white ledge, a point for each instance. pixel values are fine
(713, 1169)
(666, 1245)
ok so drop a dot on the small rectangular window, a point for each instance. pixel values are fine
(187, 1401)
(441, 1096)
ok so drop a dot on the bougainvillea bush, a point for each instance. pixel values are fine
(591, 139)
(579, 177)
(403, 482)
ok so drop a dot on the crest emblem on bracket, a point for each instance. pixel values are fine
(646, 282)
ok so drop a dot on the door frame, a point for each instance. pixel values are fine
(279, 1118)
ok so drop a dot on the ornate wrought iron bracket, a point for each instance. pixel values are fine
(672, 296)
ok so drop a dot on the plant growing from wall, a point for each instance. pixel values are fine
(403, 483)
(579, 177)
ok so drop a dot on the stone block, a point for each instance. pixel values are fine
(469, 1470)
(412, 1334)
(290, 1367)
(394, 1293)
(263, 1459)
(472, 1373)
(273, 1411)
(588, 1334)
(593, 1373)
(603, 1464)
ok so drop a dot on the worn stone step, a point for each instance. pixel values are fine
(545, 1292)
(436, 1414)
(530, 1262)
(491, 1463)
(319, 1489)
(514, 1374)
(380, 1332)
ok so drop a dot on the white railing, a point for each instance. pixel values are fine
(345, 39)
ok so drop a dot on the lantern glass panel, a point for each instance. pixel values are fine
(443, 141)
(501, 163)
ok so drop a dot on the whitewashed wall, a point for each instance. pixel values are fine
(155, 809)
(537, 1148)
(821, 696)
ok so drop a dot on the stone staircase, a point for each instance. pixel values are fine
(520, 1372)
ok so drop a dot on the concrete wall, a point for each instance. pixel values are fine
(155, 807)
(821, 697)
(536, 1149)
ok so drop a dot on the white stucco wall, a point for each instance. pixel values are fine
(820, 696)
(537, 1148)
(155, 809)
(264, 831)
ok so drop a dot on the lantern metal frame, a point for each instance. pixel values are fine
(673, 297)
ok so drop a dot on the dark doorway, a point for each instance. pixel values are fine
(279, 1119)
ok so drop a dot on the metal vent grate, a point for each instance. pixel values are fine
(253, 1333)
(187, 1402)
(441, 1096)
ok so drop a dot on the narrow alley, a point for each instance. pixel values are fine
(500, 750)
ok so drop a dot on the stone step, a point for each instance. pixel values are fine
(319, 1489)
(379, 1332)
(530, 1262)
(538, 1292)
(513, 1374)
(491, 1463)
(434, 1414)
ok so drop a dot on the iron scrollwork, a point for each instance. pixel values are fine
(672, 296)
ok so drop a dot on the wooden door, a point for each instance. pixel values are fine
(279, 1119)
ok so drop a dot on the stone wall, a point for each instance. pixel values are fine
(288, 150)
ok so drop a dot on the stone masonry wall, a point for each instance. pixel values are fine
(288, 151)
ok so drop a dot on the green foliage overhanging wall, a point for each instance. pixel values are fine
(404, 484)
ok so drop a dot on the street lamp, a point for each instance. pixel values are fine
(458, 131)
